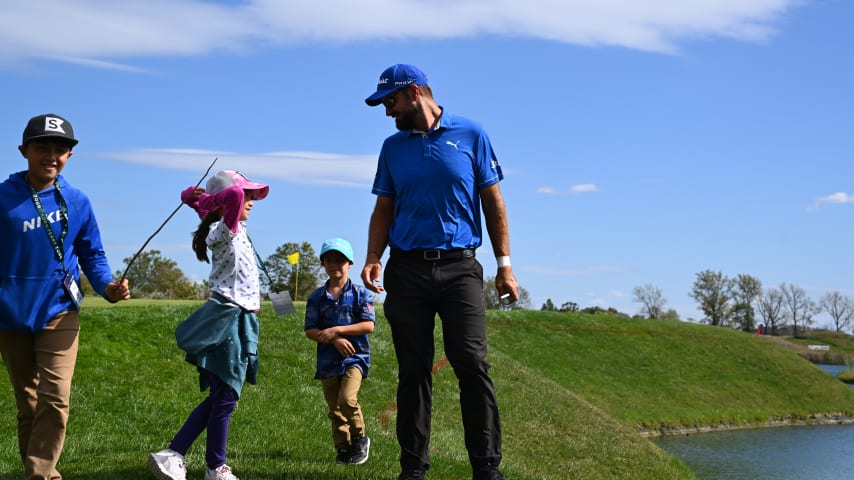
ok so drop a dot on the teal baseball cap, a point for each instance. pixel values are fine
(339, 245)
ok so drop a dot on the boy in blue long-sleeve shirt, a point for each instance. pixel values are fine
(48, 235)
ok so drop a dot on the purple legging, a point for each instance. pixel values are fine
(214, 413)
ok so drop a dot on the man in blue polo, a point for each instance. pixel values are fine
(432, 178)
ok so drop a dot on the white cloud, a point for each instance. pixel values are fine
(107, 31)
(838, 197)
(307, 168)
(592, 270)
(583, 188)
(574, 190)
(88, 62)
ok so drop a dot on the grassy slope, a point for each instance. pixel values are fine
(132, 391)
(653, 374)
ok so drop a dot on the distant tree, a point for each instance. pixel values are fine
(204, 287)
(154, 276)
(840, 307)
(549, 306)
(670, 315)
(712, 290)
(651, 298)
(86, 285)
(569, 307)
(493, 302)
(808, 318)
(740, 314)
(597, 310)
(746, 289)
(613, 311)
(524, 301)
(770, 307)
(284, 274)
(801, 308)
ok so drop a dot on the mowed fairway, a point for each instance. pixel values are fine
(574, 391)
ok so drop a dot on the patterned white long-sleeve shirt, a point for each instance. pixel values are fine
(234, 272)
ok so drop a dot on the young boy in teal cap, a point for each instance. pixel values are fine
(339, 316)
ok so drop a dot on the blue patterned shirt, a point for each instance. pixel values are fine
(355, 304)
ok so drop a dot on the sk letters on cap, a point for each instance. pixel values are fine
(339, 245)
(229, 178)
(49, 126)
(394, 78)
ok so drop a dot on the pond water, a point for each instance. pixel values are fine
(833, 370)
(779, 453)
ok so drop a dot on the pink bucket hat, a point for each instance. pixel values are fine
(228, 178)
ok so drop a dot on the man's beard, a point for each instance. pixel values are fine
(406, 121)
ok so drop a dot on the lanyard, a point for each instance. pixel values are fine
(260, 262)
(63, 220)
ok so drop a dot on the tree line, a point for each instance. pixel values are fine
(653, 299)
(738, 302)
(293, 267)
(741, 302)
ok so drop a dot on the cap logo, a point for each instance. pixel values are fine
(395, 77)
(53, 124)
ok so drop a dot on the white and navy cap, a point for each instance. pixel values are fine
(49, 125)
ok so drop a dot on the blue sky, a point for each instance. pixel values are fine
(642, 142)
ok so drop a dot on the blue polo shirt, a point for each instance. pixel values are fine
(355, 304)
(435, 180)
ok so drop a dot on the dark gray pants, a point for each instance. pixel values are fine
(417, 290)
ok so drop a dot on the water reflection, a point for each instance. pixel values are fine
(780, 453)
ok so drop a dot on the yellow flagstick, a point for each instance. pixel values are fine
(293, 259)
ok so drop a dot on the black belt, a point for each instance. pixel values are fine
(433, 255)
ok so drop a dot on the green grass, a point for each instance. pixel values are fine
(846, 376)
(574, 391)
(657, 374)
(841, 347)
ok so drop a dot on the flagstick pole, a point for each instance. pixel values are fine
(296, 289)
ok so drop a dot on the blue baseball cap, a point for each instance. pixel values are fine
(396, 77)
(339, 245)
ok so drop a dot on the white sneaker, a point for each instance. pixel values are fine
(222, 472)
(167, 465)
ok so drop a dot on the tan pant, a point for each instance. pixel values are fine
(341, 395)
(40, 367)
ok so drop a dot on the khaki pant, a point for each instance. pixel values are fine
(341, 395)
(40, 367)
